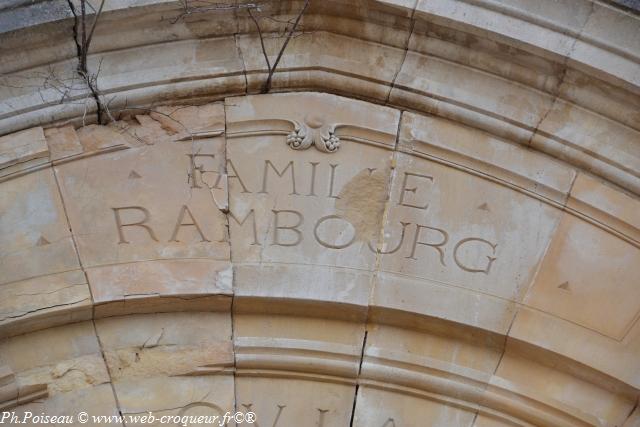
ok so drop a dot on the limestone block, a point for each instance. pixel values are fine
(520, 22)
(144, 204)
(35, 240)
(326, 57)
(483, 53)
(185, 122)
(296, 343)
(166, 344)
(576, 285)
(295, 197)
(633, 420)
(22, 146)
(170, 363)
(475, 90)
(484, 154)
(295, 401)
(94, 138)
(483, 420)
(618, 359)
(178, 62)
(613, 209)
(547, 382)
(458, 246)
(607, 99)
(63, 142)
(424, 370)
(11, 395)
(610, 41)
(595, 143)
(383, 408)
(66, 358)
(131, 287)
(44, 302)
(148, 224)
(435, 345)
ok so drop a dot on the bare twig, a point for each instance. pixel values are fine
(272, 69)
(264, 49)
(82, 40)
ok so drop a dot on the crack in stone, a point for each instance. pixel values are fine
(16, 316)
(563, 75)
(405, 54)
(49, 293)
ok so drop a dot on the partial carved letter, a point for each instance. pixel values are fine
(332, 245)
(405, 190)
(265, 175)
(251, 214)
(193, 223)
(294, 228)
(484, 270)
(436, 246)
(199, 168)
(141, 223)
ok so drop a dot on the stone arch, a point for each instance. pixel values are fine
(480, 159)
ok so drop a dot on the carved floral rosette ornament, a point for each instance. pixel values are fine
(314, 131)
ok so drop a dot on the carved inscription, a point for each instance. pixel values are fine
(413, 240)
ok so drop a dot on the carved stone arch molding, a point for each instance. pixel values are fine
(432, 219)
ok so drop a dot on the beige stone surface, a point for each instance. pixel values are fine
(22, 146)
(165, 344)
(594, 138)
(323, 56)
(586, 275)
(468, 261)
(99, 402)
(297, 344)
(170, 364)
(34, 227)
(66, 358)
(290, 401)
(133, 286)
(107, 196)
(307, 204)
(44, 302)
(387, 409)
(490, 157)
(468, 250)
(63, 142)
(613, 209)
(554, 386)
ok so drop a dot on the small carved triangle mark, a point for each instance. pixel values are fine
(42, 241)
(134, 175)
(564, 286)
(484, 207)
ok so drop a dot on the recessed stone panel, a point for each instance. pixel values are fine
(146, 203)
(588, 274)
(34, 228)
(465, 240)
(170, 364)
(308, 177)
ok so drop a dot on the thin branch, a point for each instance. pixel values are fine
(267, 83)
(83, 43)
(264, 49)
(95, 23)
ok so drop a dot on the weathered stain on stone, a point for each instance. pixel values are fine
(360, 202)
(136, 362)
